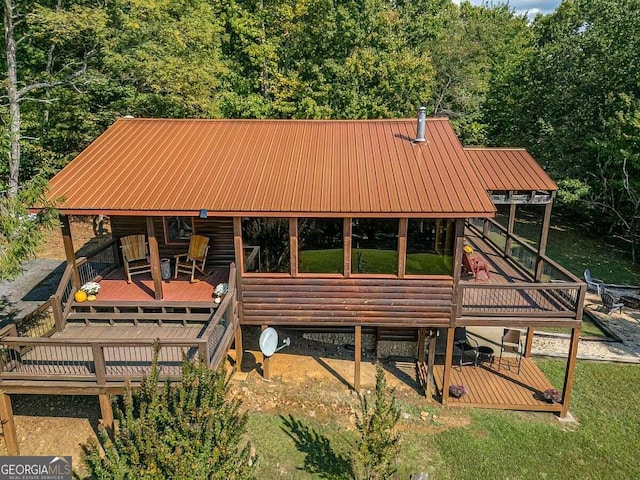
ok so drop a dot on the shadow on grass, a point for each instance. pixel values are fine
(320, 458)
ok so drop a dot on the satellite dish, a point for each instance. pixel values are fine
(269, 342)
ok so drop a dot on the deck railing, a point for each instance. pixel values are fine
(109, 360)
(91, 267)
(552, 293)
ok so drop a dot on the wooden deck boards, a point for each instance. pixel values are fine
(129, 331)
(114, 287)
(504, 389)
(501, 270)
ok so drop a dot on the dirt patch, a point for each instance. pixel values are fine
(309, 379)
(86, 234)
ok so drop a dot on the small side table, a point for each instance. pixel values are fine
(485, 354)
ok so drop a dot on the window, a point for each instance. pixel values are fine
(374, 246)
(320, 245)
(430, 246)
(266, 245)
(177, 229)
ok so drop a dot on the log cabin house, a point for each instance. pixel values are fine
(337, 224)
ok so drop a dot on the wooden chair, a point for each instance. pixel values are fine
(465, 346)
(512, 344)
(135, 255)
(609, 302)
(473, 264)
(194, 259)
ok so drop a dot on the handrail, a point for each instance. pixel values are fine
(522, 242)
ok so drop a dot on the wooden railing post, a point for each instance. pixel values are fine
(98, 363)
(203, 351)
(510, 223)
(58, 315)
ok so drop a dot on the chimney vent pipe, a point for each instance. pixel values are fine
(422, 120)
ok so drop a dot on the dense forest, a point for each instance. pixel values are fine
(566, 86)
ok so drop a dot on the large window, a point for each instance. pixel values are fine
(374, 246)
(177, 229)
(320, 245)
(430, 246)
(266, 245)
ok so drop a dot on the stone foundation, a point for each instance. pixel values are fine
(368, 340)
(382, 349)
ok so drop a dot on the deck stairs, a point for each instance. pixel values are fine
(135, 313)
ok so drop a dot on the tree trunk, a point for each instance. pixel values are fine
(14, 105)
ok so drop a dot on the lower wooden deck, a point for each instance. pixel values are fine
(504, 389)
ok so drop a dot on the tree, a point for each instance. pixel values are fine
(189, 430)
(47, 47)
(574, 102)
(21, 233)
(378, 445)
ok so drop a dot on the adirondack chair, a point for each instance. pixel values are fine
(592, 283)
(473, 264)
(610, 303)
(194, 259)
(135, 255)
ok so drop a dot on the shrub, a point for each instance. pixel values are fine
(379, 444)
(188, 430)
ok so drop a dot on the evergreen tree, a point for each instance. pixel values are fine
(188, 430)
(379, 443)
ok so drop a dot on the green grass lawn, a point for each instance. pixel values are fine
(373, 261)
(571, 248)
(483, 443)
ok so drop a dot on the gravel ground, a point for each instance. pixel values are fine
(37, 283)
(626, 326)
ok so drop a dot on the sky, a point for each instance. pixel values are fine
(532, 7)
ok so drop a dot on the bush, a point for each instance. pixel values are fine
(188, 430)
(379, 444)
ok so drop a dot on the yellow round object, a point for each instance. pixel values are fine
(80, 296)
(91, 298)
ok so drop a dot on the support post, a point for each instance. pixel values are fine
(456, 308)
(154, 257)
(293, 246)
(431, 360)
(422, 332)
(529, 342)
(239, 347)
(8, 425)
(106, 410)
(510, 224)
(485, 228)
(402, 247)
(266, 368)
(358, 356)
(571, 367)
(347, 246)
(448, 361)
(542, 244)
(69, 252)
(239, 257)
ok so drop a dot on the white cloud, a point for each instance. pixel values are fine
(531, 7)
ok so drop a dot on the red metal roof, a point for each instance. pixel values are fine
(273, 168)
(509, 169)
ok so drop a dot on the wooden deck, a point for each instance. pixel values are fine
(501, 270)
(503, 389)
(114, 287)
